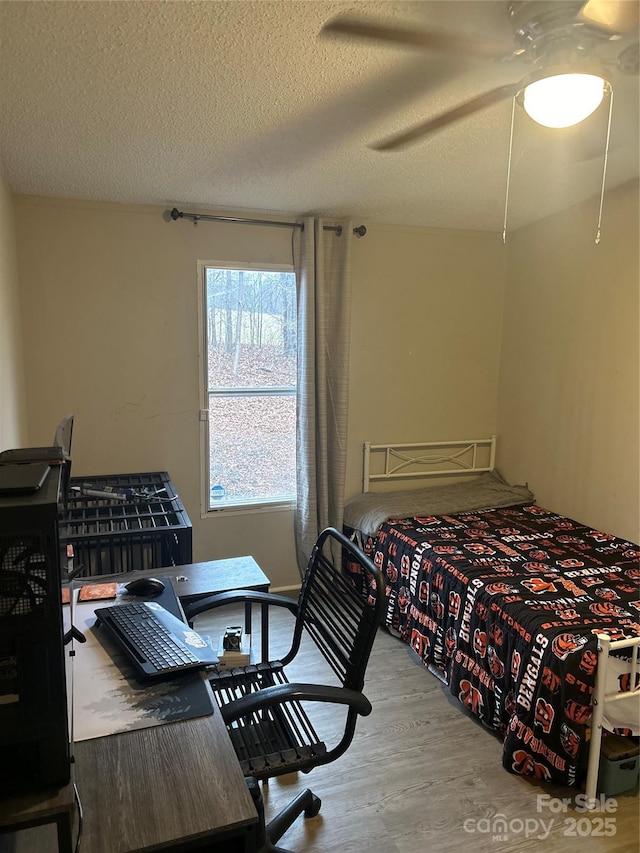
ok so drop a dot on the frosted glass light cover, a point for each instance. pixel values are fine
(564, 99)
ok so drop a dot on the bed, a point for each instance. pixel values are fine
(530, 618)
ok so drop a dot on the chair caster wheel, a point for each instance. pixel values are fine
(314, 808)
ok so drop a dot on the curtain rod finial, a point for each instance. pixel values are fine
(360, 231)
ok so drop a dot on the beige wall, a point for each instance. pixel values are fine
(111, 320)
(109, 315)
(425, 345)
(13, 424)
(569, 409)
(110, 328)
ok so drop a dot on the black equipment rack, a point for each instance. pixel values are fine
(111, 536)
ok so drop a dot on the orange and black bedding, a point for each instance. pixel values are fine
(506, 605)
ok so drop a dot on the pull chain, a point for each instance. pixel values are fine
(604, 166)
(506, 200)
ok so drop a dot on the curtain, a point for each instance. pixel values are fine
(322, 265)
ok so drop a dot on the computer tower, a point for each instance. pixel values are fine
(34, 732)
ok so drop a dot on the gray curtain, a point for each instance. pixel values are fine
(322, 264)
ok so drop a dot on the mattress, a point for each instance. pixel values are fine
(506, 603)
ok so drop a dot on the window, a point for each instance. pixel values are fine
(249, 373)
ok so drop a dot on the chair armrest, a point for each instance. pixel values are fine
(238, 596)
(280, 693)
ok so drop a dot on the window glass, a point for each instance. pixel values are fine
(250, 335)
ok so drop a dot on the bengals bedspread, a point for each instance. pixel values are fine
(506, 603)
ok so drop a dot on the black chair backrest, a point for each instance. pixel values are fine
(342, 621)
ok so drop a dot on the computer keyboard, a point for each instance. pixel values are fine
(157, 643)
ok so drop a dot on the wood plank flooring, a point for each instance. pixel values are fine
(423, 775)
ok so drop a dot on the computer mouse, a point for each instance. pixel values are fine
(144, 586)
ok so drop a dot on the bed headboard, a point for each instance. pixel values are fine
(428, 459)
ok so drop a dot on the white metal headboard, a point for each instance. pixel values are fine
(428, 459)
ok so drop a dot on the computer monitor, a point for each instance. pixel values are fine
(63, 435)
(62, 438)
(58, 453)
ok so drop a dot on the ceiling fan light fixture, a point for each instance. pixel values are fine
(563, 99)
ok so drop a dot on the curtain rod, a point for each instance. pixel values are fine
(360, 231)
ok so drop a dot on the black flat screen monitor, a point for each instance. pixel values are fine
(64, 433)
(62, 438)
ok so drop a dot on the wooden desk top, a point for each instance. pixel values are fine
(150, 787)
(194, 580)
(215, 576)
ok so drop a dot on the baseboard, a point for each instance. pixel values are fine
(286, 590)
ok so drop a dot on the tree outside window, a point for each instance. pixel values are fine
(250, 385)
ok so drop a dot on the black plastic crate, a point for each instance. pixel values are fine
(110, 536)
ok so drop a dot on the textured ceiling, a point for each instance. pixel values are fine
(240, 105)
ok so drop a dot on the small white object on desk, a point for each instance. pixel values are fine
(230, 658)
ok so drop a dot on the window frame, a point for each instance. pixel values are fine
(203, 396)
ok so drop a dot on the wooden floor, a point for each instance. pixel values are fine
(423, 775)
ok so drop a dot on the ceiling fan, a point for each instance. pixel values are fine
(556, 41)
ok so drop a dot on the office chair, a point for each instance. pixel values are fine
(269, 728)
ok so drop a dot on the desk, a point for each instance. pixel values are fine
(198, 580)
(177, 786)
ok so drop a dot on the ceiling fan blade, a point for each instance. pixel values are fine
(614, 16)
(487, 99)
(381, 31)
